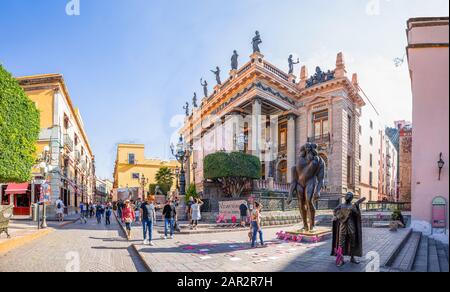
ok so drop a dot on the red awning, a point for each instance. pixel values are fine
(14, 189)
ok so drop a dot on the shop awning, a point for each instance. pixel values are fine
(14, 189)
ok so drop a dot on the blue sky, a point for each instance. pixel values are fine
(131, 64)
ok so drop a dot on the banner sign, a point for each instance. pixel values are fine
(230, 209)
(45, 196)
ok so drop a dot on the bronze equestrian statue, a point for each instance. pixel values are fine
(307, 182)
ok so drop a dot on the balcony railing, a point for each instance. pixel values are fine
(276, 71)
(77, 155)
(325, 138)
(68, 142)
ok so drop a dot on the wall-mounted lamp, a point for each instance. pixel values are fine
(441, 164)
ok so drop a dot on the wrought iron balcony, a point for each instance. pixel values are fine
(68, 142)
(321, 139)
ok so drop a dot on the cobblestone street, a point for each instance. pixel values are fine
(98, 248)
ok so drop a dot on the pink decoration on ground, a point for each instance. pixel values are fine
(233, 219)
(339, 255)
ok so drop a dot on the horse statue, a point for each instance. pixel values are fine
(307, 182)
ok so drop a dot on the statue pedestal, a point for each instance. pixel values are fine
(233, 73)
(292, 78)
(318, 235)
(257, 57)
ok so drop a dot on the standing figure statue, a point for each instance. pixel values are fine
(307, 182)
(194, 100)
(234, 60)
(217, 73)
(186, 109)
(205, 87)
(347, 231)
(292, 63)
(256, 42)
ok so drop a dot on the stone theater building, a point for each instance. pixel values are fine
(269, 113)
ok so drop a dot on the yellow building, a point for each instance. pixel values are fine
(71, 170)
(131, 165)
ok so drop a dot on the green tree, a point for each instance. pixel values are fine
(233, 170)
(191, 192)
(19, 130)
(164, 178)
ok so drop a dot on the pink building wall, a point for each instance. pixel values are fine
(428, 57)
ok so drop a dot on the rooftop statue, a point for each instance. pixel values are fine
(205, 87)
(307, 183)
(234, 60)
(256, 42)
(319, 77)
(194, 100)
(292, 63)
(186, 109)
(217, 73)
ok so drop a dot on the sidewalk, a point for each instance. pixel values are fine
(23, 231)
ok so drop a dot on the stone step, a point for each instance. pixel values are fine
(442, 255)
(433, 259)
(421, 260)
(404, 260)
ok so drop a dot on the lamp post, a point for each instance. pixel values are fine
(441, 164)
(144, 182)
(44, 160)
(181, 152)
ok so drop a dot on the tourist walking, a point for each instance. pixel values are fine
(82, 213)
(189, 206)
(119, 208)
(98, 213)
(243, 209)
(108, 213)
(169, 214)
(256, 224)
(128, 217)
(59, 210)
(196, 213)
(148, 213)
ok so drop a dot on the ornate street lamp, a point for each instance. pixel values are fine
(181, 151)
(441, 164)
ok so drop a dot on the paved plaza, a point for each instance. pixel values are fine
(96, 247)
(231, 252)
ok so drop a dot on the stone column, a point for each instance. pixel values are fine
(290, 146)
(256, 127)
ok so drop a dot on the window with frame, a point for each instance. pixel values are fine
(321, 124)
(349, 129)
(370, 178)
(371, 160)
(66, 122)
(349, 170)
(76, 140)
(282, 138)
(371, 141)
(131, 158)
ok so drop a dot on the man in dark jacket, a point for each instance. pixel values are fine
(169, 214)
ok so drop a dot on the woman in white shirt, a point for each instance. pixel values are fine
(196, 213)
